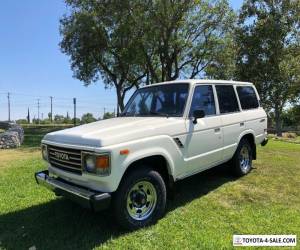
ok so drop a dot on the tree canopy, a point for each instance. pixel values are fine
(269, 47)
(132, 42)
(87, 118)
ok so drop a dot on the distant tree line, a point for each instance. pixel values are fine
(129, 43)
(61, 119)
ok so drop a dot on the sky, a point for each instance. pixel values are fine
(32, 67)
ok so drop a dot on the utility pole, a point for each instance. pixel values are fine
(8, 102)
(74, 103)
(104, 112)
(51, 117)
(38, 110)
(28, 116)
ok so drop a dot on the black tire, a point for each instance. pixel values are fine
(121, 205)
(240, 167)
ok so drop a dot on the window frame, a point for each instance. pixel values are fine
(256, 94)
(192, 97)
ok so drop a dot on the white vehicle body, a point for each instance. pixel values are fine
(186, 147)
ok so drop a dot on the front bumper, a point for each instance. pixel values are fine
(87, 198)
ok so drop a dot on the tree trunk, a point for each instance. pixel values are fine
(120, 101)
(278, 122)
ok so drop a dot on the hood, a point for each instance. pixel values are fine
(117, 130)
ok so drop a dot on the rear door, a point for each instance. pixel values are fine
(232, 120)
(255, 116)
(204, 139)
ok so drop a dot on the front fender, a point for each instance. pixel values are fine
(162, 145)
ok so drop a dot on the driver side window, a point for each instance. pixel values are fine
(203, 99)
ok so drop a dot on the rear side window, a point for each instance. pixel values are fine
(203, 99)
(227, 99)
(247, 96)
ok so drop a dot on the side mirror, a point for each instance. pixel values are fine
(198, 113)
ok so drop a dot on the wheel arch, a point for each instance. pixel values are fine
(158, 162)
(249, 136)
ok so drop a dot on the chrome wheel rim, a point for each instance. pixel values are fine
(141, 200)
(244, 158)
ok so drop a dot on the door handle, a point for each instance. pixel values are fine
(217, 130)
(262, 120)
(242, 124)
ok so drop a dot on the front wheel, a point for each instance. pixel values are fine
(141, 198)
(242, 159)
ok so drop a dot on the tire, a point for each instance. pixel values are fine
(242, 159)
(140, 199)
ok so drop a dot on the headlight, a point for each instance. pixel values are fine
(44, 152)
(90, 163)
(96, 164)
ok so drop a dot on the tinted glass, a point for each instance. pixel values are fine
(227, 99)
(203, 99)
(248, 98)
(161, 100)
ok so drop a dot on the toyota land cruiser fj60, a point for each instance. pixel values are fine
(167, 132)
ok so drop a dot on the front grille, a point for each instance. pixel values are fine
(65, 159)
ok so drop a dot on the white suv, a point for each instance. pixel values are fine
(167, 132)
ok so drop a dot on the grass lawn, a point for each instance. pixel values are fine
(207, 210)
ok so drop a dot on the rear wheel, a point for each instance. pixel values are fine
(242, 159)
(141, 198)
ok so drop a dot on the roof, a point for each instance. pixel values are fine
(205, 81)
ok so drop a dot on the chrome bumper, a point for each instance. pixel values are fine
(85, 197)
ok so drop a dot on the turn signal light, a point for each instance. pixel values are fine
(102, 162)
(124, 152)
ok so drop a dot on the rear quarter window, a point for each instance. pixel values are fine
(247, 96)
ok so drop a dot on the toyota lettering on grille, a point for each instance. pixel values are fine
(61, 156)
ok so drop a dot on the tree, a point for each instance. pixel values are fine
(28, 116)
(223, 65)
(182, 38)
(99, 37)
(88, 118)
(291, 117)
(268, 54)
(131, 42)
(108, 115)
(67, 119)
(22, 121)
(59, 119)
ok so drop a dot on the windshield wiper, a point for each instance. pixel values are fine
(159, 113)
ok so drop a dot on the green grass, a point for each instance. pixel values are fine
(206, 211)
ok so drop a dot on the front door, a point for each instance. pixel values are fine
(204, 140)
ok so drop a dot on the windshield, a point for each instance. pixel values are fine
(160, 100)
